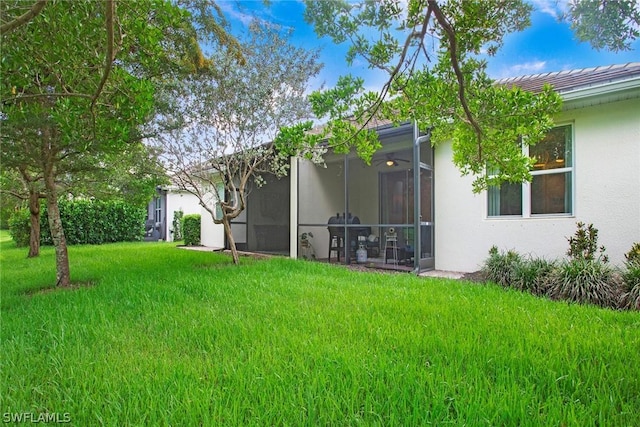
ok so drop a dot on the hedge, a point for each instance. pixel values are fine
(191, 229)
(20, 227)
(87, 222)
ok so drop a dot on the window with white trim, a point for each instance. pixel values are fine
(158, 211)
(550, 191)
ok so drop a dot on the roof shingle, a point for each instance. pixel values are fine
(564, 81)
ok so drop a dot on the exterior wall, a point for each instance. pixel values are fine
(320, 196)
(211, 234)
(176, 201)
(606, 194)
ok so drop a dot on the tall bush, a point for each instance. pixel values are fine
(191, 229)
(20, 227)
(89, 222)
(633, 256)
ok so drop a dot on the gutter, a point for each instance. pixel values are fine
(608, 88)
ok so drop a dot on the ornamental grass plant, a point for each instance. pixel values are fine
(631, 279)
(585, 281)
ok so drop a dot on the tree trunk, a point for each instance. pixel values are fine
(63, 277)
(34, 211)
(230, 240)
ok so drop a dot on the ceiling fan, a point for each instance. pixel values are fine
(390, 160)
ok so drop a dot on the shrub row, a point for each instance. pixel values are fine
(585, 277)
(85, 222)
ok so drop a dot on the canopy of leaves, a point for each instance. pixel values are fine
(430, 50)
(606, 24)
(227, 118)
(88, 72)
(79, 78)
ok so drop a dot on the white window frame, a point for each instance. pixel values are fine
(526, 186)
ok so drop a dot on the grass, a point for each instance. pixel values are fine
(174, 337)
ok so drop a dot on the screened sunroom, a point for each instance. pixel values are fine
(379, 215)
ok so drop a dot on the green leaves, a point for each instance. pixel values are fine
(612, 25)
(450, 93)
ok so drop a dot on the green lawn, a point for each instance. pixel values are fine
(164, 336)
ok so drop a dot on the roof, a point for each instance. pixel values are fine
(577, 87)
(566, 81)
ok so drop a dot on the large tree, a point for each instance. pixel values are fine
(227, 119)
(78, 79)
(448, 90)
(606, 24)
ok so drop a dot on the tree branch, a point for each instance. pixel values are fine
(41, 95)
(24, 18)
(393, 73)
(110, 53)
(453, 54)
(15, 194)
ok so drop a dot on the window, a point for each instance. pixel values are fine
(550, 191)
(158, 210)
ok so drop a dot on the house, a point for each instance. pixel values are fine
(412, 209)
(161, 212)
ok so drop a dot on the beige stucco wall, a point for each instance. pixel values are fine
(607, 194)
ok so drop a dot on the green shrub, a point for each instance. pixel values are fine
(633, 256)
(585, 281)
(20, 227)
(501, 267)
(87, 222)
(191, 229)
(630, 298)
(584, 244)
(97, 222)
(532, 275)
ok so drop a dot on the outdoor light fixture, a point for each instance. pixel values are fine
(391, 162)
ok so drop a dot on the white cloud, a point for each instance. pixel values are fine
(233, 14)
(525, 68)
(555, 8)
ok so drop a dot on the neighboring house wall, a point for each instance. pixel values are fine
(155, 224)
(606, 193)
(161, 212)
(179, 201)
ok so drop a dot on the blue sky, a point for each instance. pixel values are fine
(546, 46)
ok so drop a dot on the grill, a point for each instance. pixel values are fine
(336, 234)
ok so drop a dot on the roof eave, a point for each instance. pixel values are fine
(607, 92)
